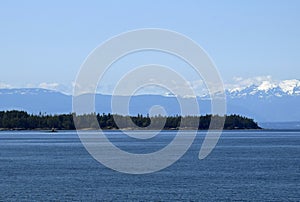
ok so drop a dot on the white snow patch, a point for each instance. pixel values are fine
(266, 85)
(288, 86)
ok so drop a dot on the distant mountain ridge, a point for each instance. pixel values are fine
(35, 100)
(267, 103)
(267, 88)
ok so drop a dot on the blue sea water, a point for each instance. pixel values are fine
(244, 166)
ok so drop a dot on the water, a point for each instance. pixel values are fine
(281, 125)
(245, 165)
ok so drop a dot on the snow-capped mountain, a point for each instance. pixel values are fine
(264, 101)
(266, 89)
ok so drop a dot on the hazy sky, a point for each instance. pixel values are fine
(47, 41)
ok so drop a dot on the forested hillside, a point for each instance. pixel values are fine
(23, 120)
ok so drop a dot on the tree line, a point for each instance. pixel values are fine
(22, 120)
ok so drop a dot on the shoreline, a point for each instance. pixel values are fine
(128, 129)
(134, 129)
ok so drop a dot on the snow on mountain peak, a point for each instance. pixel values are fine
(264, 86)
(288, 86)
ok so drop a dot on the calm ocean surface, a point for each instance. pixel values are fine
(245, 166)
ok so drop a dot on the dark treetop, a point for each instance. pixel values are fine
(22, 120)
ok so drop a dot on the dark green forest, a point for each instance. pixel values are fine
(21, 120)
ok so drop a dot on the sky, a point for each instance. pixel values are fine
(44, 43)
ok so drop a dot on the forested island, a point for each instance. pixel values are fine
(21, 120)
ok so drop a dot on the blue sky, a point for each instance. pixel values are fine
(46, 42)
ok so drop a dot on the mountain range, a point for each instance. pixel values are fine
(265, 102)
